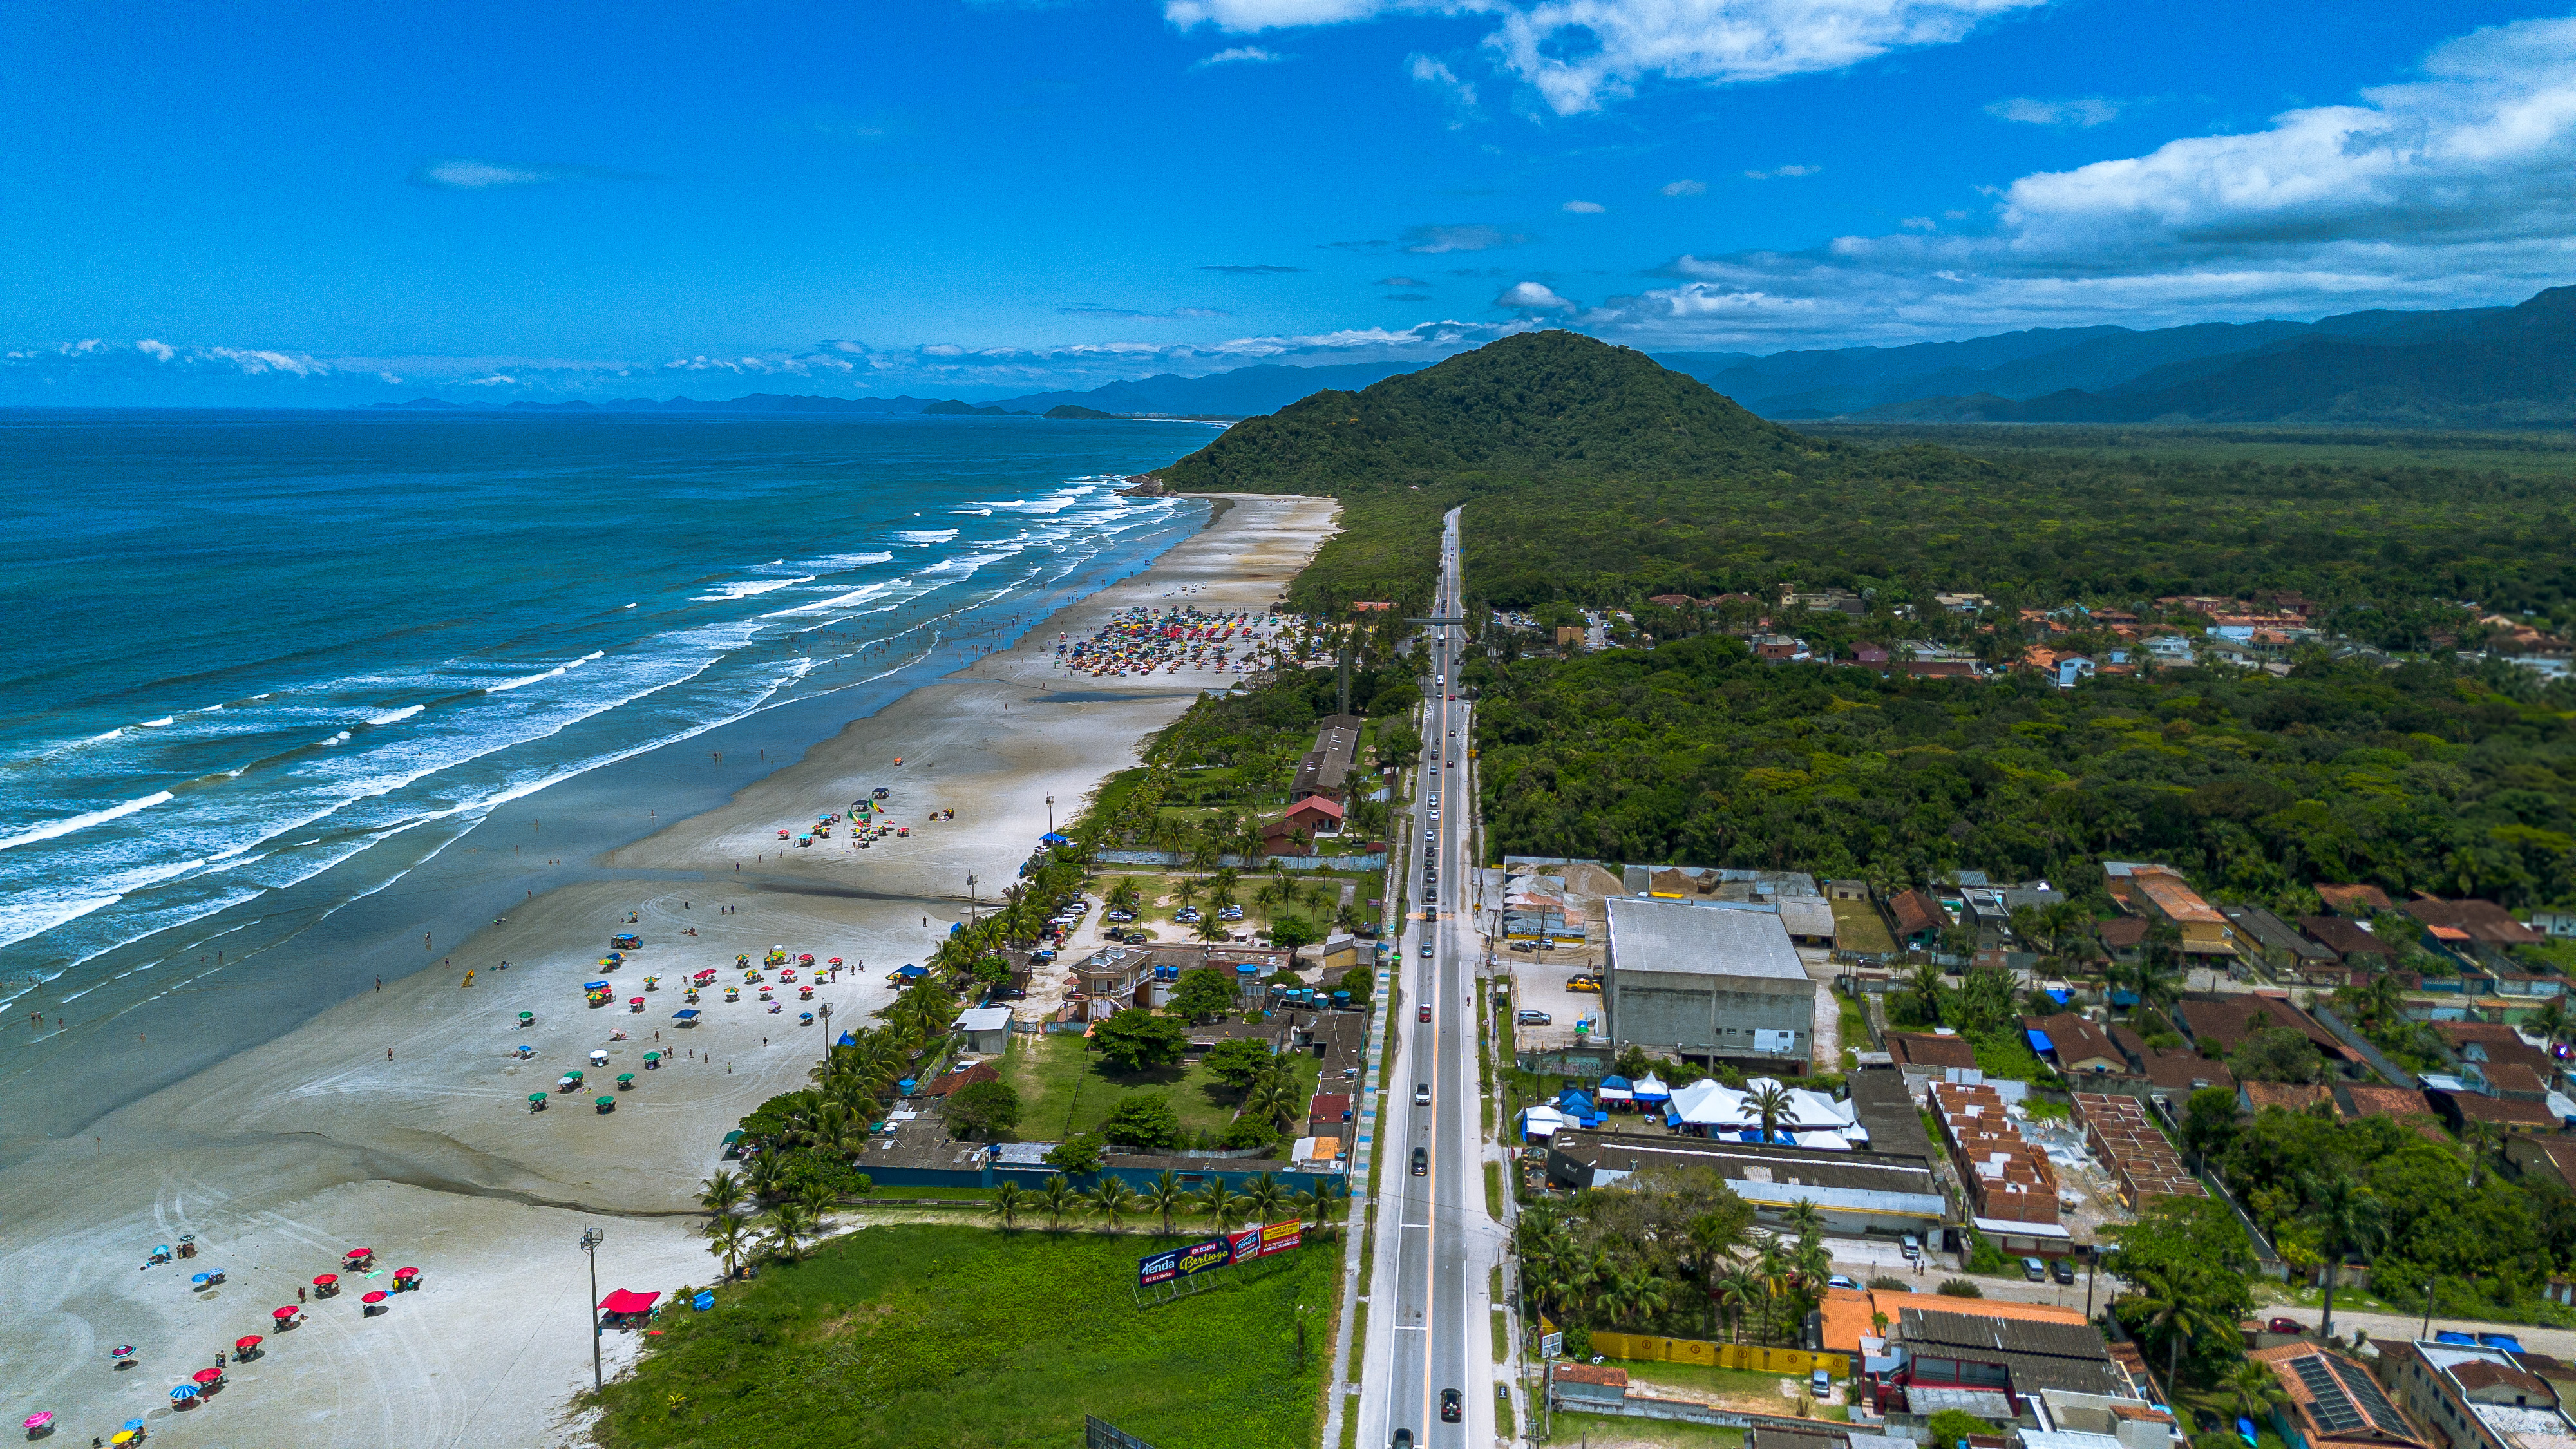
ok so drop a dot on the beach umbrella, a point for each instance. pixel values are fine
(652, 1056)
(184, 1392)
(284, 1315)
(246, 1342)
(359, 1253)
(134, 1426)
(378, 1296)
(208, 1376)
(626, 1079)
(325, 1280)
(202, 1279)
(537, 1097)
(635, 1001)
(40, 1419)
(405, 1275)
(606, 1102)
(122, 1350)
(126, 1436)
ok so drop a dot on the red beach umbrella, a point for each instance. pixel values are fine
(283, 1314)
(325, 1280)
(403, 1273)
(378, 1296)
(208, 1376)
(246, 1342)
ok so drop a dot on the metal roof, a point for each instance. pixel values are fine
(1669, 936)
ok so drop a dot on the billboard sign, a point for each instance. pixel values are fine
(1197, 1258)
(1244, 1245)
(1159, 1268)
(1280, 1237)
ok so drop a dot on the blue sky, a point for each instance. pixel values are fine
(977, 199)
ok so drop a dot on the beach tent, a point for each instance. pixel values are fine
(1541, 1122)
(1614, 1089)
(1651, 1088)
(626, 1300)
(912, 973)
(686, 1016)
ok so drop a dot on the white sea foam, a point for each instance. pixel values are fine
(396, 716)
(524, 681)
(833, 563)
(926, 535)
(972, 512)
(726, 593)
(855, 596)
(70, 823)
(157, 723)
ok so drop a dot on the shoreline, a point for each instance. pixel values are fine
(399, 1118)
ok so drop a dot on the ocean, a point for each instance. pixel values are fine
(265, 669)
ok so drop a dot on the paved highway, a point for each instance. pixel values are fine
(1427, 1318)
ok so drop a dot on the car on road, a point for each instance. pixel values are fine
(1534, 1018)
(1422, 1094)
(1425, 1014)
(1431, 895)
(2285, 1325)
(1583, 983)
(2034, 1270)
(1421, 1161)
(1451, 1408)
(1403, 1440)
(2061, 1270)
(1426, 950)
(1523, 947)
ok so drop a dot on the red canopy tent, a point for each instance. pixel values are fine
(627, 1300)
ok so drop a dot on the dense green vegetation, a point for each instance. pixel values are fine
(2419, 776)
(905, 1336)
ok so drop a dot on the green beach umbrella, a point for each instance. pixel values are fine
(537, 1097)
(527, 1016)
(605, 1102)
(626, 1079)
(652, 1056)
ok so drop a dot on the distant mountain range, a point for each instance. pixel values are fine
(2477, 367)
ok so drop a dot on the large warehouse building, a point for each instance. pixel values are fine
(1707, 985)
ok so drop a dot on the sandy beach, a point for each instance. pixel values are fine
(399, 1119)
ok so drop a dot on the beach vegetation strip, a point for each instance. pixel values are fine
(1068, 1089)
(958, 1336)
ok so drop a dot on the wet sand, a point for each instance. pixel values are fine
(280, 1157)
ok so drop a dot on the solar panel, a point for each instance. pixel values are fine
(2333, 1409)
(2373, 1402)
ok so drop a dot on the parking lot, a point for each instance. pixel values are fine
(1538, 984)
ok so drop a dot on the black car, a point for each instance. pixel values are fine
(1403, 1440)
(1451, 1411)
(1421, 1161)
(2061, 1270)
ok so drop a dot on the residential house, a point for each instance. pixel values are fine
(1989, 1366)
(2463, 1107)
(2551, 1159)
(2217, 1021)
(2171, 1071)
(2123, 938)
(1916, 920)
(2075, 1046)
(1316, 815)
(2485, 1045)
(1779, 649)
(1325, 770)
(2358, 901)
(2353, 945)
(2561, 924)
(2485, 930)
(1590, 1386)
(2159, 893)
(941, 1086)
(2332, 1402)
(2277, 944)
(985, 1030)
(2473, 1397)
(1280, 837)
(1933, 1052)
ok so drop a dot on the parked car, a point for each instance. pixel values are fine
(2061, 1270)
(1534, 1018)
(1186, 913)
(2035, 1270)
(1820, 1384)
(1583, 983)
(1912, 1245)
(1839, 1281)
(2285, 1325)
(1230, 913)
(1119, 916)
(1523, 947)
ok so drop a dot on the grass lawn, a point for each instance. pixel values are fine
(1739, 1388)
(1614, 1431)
(958, 1336)
(1857, 927)
(1065, 1089)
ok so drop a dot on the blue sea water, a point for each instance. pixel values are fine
(261, 666)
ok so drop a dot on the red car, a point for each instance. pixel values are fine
(2286, 1325)
(1426, 1012)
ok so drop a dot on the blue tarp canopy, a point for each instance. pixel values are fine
(2039, 1042)
(1051, 838)
(911, 971)
(2447, 1336)
(846, 1040)
(1620, 1083)
(1574, 1101)
(594, 986)
(2061, 997)
(685, 1014)
(2124, 998)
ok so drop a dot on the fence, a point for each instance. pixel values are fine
(1174, 860)
(1796, 1362)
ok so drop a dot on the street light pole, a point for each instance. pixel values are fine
(1050, 815)
(591, 1238)
(970, 900)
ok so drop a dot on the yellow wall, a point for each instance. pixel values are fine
(1640, 1347)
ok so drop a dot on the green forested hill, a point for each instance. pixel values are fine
(1536, 405)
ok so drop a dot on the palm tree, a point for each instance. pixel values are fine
(766, 1173)
(2257, 1389)
(1263, 1197)
(1056, 1200)
(1223, 1205)
(1924, 985)
(2553, 1022)
(1165, 1197)
(789, 1226)
(1209, 929)
(1735, 1292)
(1312, 1206)
(2176, 1317)
(1805, 1218)
(818, 1200)
(1184, 889)
(1010, 1200)
(723, 1193)
(2348, 1219)
(1276, 1097)
(1111, 1199)
(1767, 1104)
(726, 1238)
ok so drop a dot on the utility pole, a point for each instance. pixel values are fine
(1050, 815)
(970, 900)
(591, 1238)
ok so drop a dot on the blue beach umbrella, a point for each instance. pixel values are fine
(184, 1391)
(202, 1279)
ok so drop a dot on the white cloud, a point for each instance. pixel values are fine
(1586, 208)
(466, 174)
(1685, 188)
(1177, 314)
(1473, 236)
(1580, 54)
(1439, 77)
(2453, 189)
(495, 380)
(1532, 297)
(1399, 282)
(1240, 55)
(1782, 171)
(1917, 223)
(2085, 111)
